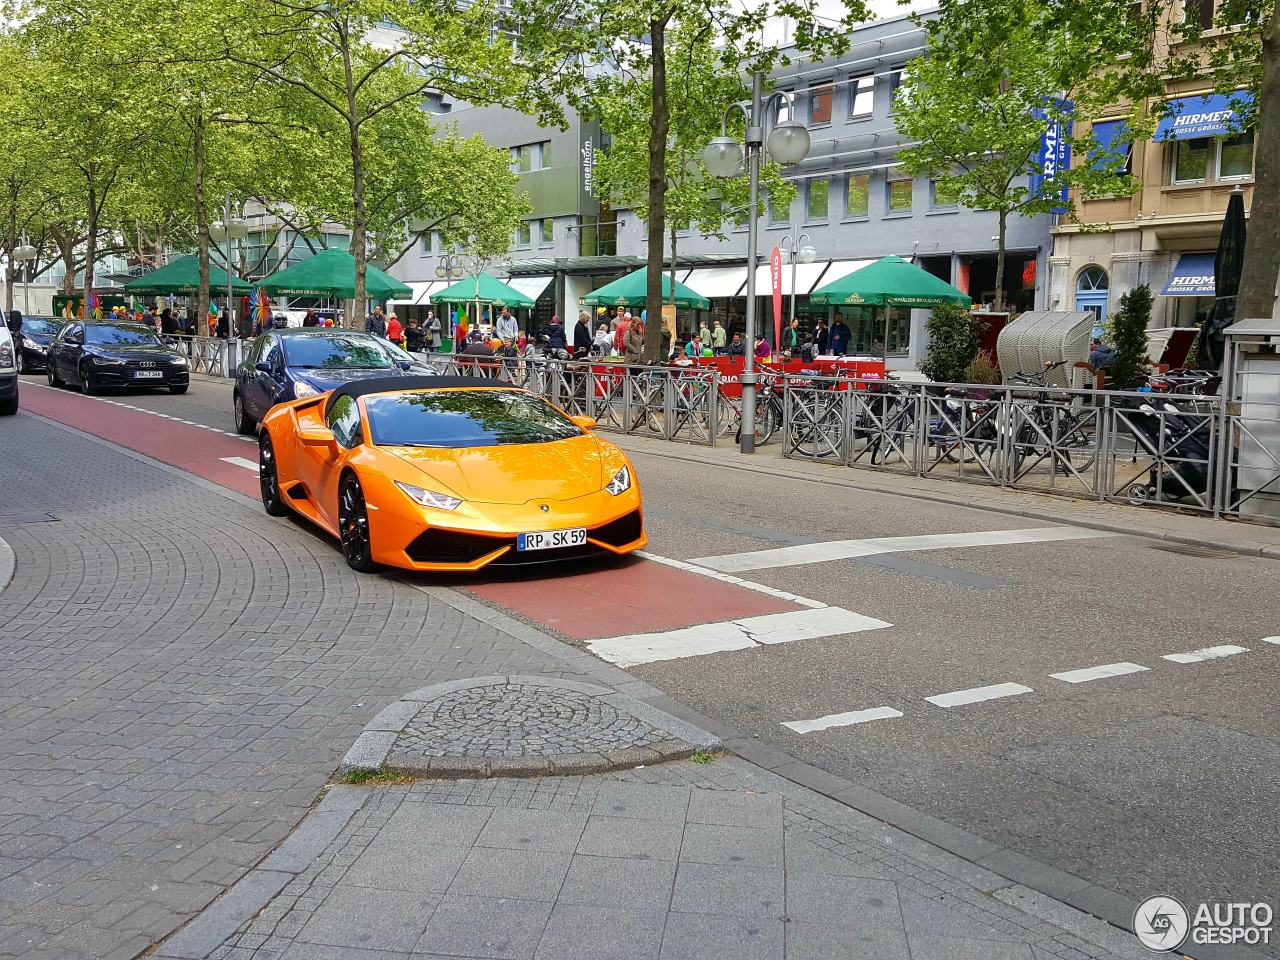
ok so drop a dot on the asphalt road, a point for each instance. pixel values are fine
(1162, 779)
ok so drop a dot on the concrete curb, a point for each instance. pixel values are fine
(8, 564)
(1271, 552)
(376, 742)
(239, 904)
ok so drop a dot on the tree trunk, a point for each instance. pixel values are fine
(90, 252)
(67, 251)
(672, 299)
(357, 226)
(659, 122)
(1004, 222)
(13, 241)
(202, 227)
(1257, 294)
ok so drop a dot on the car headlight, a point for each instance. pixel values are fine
(105, 361)
(429, 498)
(620, 483)
(179, 361)
(303, 389)
(32, 345)
(6, 356)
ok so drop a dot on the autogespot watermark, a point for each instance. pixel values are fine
(1163, 923)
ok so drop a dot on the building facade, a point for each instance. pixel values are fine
(853, 205)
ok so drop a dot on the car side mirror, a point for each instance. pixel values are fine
(585, 422)
(404, 364)
(318, 437)
(262, 367)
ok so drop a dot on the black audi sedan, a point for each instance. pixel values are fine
(33, 345)
(97, 355)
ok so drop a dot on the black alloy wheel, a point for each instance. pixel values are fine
(51, 371)
(178, 389)
(245, 424)
(22, 359)
(86, 381)
(269, 479)
(353, 526)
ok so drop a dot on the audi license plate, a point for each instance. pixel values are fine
(148, 374)
(551, 539)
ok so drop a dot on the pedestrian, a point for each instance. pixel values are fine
(617, 319)
(603, 343)
(184, 324)
(809, 349)
(555, 334)
(718, 335)
(376, 323)
(415, 338)
(694, 347)
(1101, 356)
(433, 332)
(791, 340)
(620, 332)
(582, 335)
(508, 328)
(152, 321)
(822, 338)
(633, 349)
(704, 334)
(840, 336)
(762, 351)
(736, 347)
(395, 332)
(310, 319)
(167, 325)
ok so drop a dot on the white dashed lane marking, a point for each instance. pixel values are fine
(772, 628)
(959, 698)
(1208, 653)
(1098, 673)
(843, 719)
(848, 549)
(240, 462)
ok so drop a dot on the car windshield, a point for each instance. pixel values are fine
(465, 418)
(120, 336)
(340, 350)
(39, 325)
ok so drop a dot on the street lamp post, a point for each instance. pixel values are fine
(798, 253)
(450, 268)
(230, 230)
(788, 143)
(24, 254)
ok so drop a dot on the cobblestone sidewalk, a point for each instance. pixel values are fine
(721, 861)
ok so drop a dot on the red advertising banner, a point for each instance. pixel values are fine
(775, 274)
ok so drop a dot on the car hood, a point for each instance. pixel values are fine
(135, 352)
(512, 473)
(327, 378)
(44, 339)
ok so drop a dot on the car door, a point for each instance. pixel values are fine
(325, 463)
(70, 347)
(264, 384)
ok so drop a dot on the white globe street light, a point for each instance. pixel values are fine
(24, 253)
(788, 144)
(799, 250)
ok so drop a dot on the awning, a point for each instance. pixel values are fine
(840, 269)
(531, 287)
(807, 275)
(713, 282)
(1193, 277)
(1213, 115)
(419, 291)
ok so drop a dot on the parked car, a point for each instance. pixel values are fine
(297, 362)
(37, 334)
(8, 373)
(94, 355)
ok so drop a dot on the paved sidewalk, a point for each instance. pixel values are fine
(716, 860)
(1162, 524)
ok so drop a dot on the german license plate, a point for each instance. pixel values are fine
(148, 374)
(551, 539)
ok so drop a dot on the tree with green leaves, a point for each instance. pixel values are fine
(697, 93)
(734, 34)
(953, 344)
(996, 77)
(1128, 334)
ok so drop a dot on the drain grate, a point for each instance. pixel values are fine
(1191, 550)
(13, 519)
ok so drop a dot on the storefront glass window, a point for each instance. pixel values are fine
(1236, 157)
(1190, 160)
(857, 195)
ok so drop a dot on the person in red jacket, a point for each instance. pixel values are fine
(395, 332)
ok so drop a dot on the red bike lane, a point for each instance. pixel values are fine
(633, 596)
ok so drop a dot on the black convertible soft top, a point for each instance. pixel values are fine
(361, 388)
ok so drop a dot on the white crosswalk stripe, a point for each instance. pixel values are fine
(1208, 653)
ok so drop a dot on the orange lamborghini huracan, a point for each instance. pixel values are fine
(448, 473)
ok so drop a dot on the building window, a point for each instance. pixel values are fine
(1235, 157)
(857, 195)
(943, 195)
(424, 244)
(1092, 292)
(1198, 12)
(1191, 160)
(897, 82)
(524, 234)
(548, 231)
(815, 204)
(778, 212)
(862, 95)
(820, 105)
(898, 189)
(531, 156)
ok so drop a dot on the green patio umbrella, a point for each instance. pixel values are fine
(482, 288)
(182, 278)
(889, 282)
(332, 273)
(631, 291)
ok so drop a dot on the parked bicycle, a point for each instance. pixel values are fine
(1047, 426)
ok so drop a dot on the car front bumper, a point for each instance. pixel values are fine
(8, 386)
(113, 376)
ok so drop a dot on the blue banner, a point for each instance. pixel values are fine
(1054, 153)
(1213, 115)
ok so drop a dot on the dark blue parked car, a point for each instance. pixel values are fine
(37, 334)
(293, 363)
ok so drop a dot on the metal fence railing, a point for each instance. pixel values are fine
(1203, 454)
(210, 355)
